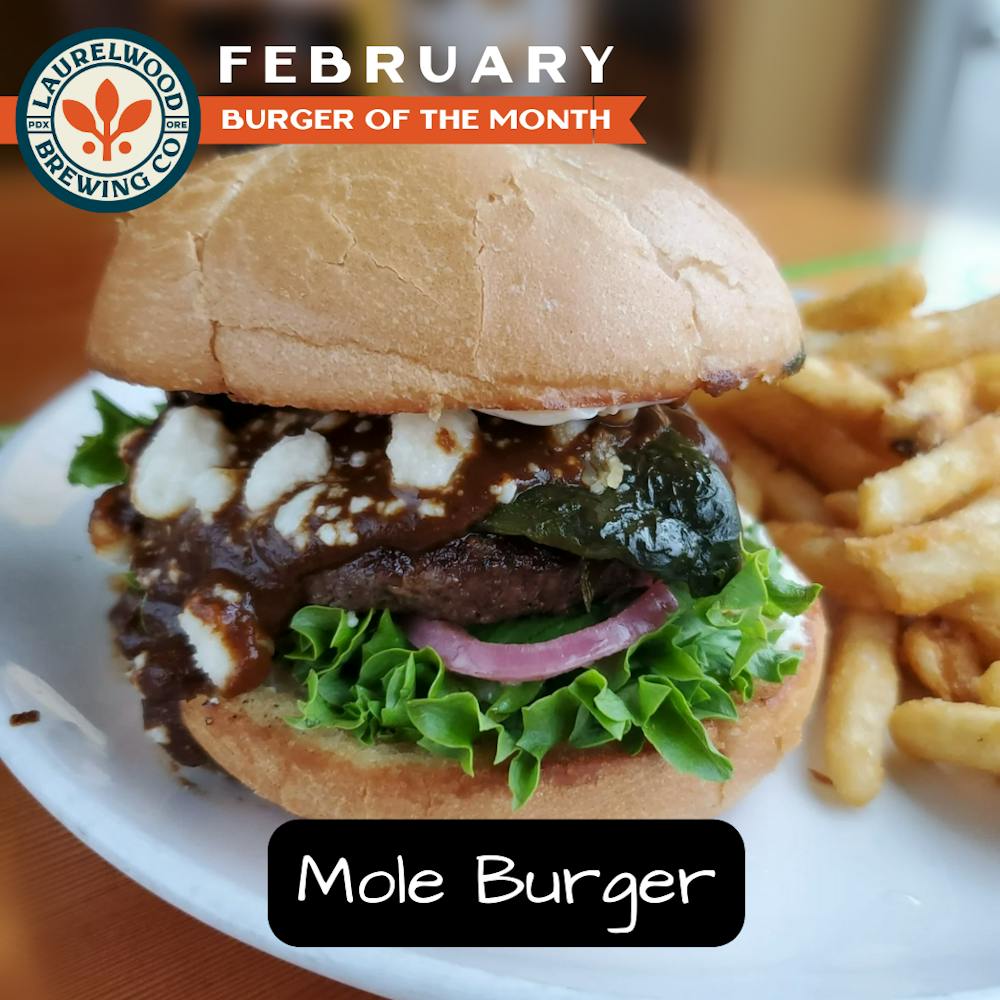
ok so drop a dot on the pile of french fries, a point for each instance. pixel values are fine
(876, 469)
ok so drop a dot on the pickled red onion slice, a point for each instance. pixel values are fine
(511, 663)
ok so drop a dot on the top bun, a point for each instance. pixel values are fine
(414, 278)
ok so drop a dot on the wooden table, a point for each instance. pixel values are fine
(70, 925)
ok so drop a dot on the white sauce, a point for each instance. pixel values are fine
(548, 418)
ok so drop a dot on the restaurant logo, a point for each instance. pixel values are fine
(108, 120)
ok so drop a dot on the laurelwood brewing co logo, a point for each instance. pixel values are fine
(108, 120)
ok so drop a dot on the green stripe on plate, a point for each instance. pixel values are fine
(879, 257)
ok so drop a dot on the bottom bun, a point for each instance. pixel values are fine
(328, 774)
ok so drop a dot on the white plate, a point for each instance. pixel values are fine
(900, 899)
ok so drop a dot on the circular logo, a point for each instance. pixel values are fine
(108, 120)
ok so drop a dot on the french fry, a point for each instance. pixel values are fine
(844, 506)
(839, 388)
(890, 297)
(929, 483)
(986, 378)
(749, 494)
(980, 613)
(944, 657)
(864, 689)
(919, 343)
(931, 408)
(951, 732)
(989, 685)
(799, 433)
(787, 494)
(920, 568)
(819, 551)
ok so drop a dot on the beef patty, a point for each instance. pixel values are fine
(475, 579)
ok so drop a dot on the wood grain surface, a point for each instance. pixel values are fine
(71, 926)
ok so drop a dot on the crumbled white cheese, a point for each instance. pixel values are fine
(602, 473)
(159, 734)
(338, 533)
(212, 654)
(228, 594)
(292, 513)
(358, 504)
(614, 472)
(190, 441)
(357, 459)
(329, 422)
(505, 491)
(795, 634)
(110, 541)
(212, 489)
(562, 434)
(362, 426)
(387, 508)
(292, 462)
(425, 453)
(351, 618)
(431, 508)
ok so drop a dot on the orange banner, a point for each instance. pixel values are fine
(7, 134)
(313, 120)
(270, 120)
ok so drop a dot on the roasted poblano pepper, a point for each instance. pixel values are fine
(673, 516)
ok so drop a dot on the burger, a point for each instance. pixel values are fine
(426, 526)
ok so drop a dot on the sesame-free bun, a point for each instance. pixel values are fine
(328, 774)
(410, 278)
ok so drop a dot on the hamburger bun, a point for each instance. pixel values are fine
(413, 278)
(328, 774)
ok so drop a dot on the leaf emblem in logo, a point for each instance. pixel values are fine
(106, 102)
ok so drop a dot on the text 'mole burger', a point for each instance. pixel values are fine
(425, 526)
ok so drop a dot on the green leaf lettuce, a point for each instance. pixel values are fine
(97, 462)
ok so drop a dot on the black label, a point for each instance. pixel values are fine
(496, 882)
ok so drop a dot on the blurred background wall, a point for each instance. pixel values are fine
(899, 95)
